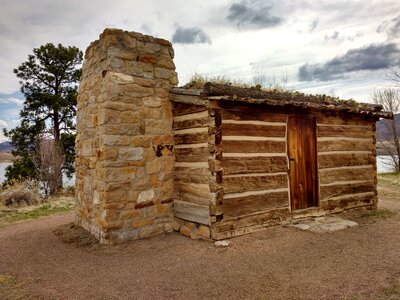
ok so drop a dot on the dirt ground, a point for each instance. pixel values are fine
(275, 263)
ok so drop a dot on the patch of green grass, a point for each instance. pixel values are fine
(39, 211)
(393, 178)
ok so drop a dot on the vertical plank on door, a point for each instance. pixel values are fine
(303, 162)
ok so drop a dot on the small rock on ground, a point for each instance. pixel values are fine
(224, 243)
(301, 226)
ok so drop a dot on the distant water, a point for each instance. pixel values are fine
(383, 164)
(4, 165)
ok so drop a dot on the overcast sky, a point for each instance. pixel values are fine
(341, 48)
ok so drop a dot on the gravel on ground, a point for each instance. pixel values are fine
(362, 262)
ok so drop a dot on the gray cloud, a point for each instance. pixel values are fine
(391, 27)
(338, 37)
(313, 25)
(190, 35)
(334, 36)
(369, 58)
(146, 28)
(253, 15)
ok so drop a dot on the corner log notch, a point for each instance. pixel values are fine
(245, 159)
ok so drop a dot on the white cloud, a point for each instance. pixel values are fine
(16, 101)
(3, 123)
(2, 137)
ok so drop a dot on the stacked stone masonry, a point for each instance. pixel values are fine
(124, 159)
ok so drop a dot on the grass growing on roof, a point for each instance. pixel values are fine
(276, 92)
(197, 81)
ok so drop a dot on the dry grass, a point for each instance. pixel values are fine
(389, 186)
(10, 289)
(197, 81)
(53, 205)
(6, 157)
(76, 235)
(20, 193)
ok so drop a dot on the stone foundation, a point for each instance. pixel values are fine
(124, 146)
(192, 230)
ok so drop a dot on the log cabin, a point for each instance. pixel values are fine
(210, 161)
(246, 158)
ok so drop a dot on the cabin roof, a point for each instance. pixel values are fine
(254, 95)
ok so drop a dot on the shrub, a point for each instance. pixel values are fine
(69, 191)
(19, 193)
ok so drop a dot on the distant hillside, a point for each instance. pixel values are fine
(382, 132)
(5, 147)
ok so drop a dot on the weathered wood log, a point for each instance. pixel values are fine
(345, 160)
(253, 146)
(193, 138)
(238, 184)
(189, 99)
(344, 120)
(245, 165)
(240, 115)
(217, 119)
(191, 175)
(179, 109)
(241, 206)
(192, 154)
(216, 202)
(217, 197)
(346, 174)
(192, 212)
(345, 145)
(179, 195)
(348, 201)
(200, 190)
(186, 91)
(331, 191)
(263, 218)
(215, 165)
(189, 197)
(253, 130)
(192, 123)
(344, 131)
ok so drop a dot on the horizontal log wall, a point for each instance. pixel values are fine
(231, 166)
(346, 159)
(254, 164)
(191, 172)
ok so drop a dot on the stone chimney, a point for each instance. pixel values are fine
(124, 145)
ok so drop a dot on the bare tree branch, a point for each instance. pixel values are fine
(49, 161)
(389, 98)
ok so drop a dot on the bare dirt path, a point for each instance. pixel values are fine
(276, 263)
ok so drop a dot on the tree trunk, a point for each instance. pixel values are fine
(57, 140)
(397, 146)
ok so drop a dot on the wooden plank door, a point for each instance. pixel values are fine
(303, 178)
